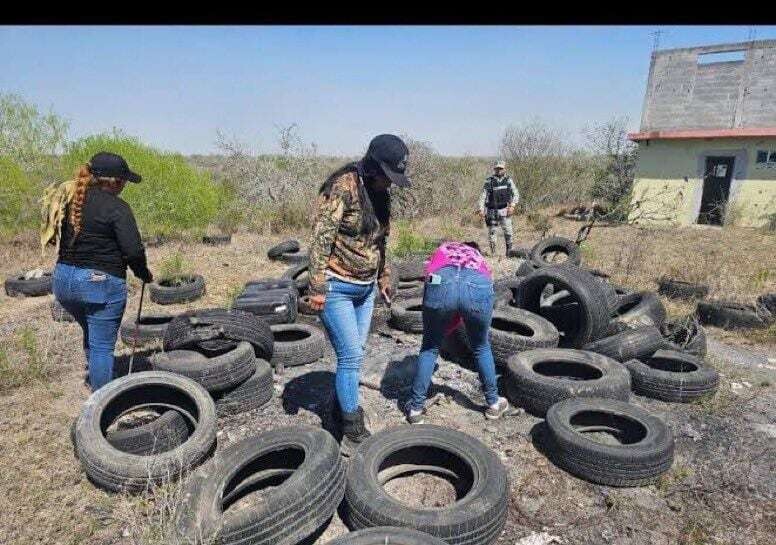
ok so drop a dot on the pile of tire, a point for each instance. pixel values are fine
(275, 300)
(180, 289)
(30, 284)
(158, 452)
(227, 352)
(288, 251)
(150, 328)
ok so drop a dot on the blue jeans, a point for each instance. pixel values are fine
(96, 300)
(471, 294)
(347, 315)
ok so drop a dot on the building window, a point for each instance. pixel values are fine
(766, 159)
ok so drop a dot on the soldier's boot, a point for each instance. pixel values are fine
(508, 244)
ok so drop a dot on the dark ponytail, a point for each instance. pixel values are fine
(376, 205)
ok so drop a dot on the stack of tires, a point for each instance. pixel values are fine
(287, 251)
(227, 352)
(149, 329)
(275, 300)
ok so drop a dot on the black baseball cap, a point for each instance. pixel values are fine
(391, 153)
(110, 165)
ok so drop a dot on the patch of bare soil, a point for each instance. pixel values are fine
(422, 490)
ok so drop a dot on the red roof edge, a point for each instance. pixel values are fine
(749, 132)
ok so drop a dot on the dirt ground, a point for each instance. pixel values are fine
(721, 489)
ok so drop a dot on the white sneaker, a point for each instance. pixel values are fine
(415, 417)
(496, 411)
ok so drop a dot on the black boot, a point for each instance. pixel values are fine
(508, 244)
(353, 431)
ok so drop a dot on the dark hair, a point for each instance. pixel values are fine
(376, 205)
(473, 244)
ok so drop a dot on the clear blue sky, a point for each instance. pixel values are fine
(455, 87)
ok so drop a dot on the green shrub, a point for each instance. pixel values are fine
(18, 207)
(173, 267)
(408, 242)
(173, 196)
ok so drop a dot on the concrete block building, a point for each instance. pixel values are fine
(707, 142)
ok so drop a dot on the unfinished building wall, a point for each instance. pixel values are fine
(683, 93)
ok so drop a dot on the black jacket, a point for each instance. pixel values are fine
(109, 240)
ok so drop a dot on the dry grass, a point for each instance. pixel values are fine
(47, 498)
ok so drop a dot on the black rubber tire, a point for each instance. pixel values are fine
(526, 267)
(410, 321)
(477, 518)
(623, 465)
(151, 328)
(306, 344)
(768, 302)
(298, 273)
(168, 431)
(219, 327)
(409, 269)
(171, 295)
(59, 314)
(287, 246)
(631, 344)
(514, 330)
(731, 315)
(591, 316)
(290, 512)
(387, 534)
(556, 244)
(409, 289)
(522, 253)
(17, 286)
(274, 306)
(293, 258)
(255, 392)
(108, 467)
(269, 284)
(684, 335)
(612, 299)
(217, 240)
(155, 241)
(537, 378)
(680, 289)
(672, 376)
(215, 374)
(640, 309)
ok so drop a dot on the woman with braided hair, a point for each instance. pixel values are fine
(98, 238)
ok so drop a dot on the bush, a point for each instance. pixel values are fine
(32, 139)
(173, 195)
(18, 207)
(407, 242)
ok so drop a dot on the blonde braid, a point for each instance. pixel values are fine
(84, 179)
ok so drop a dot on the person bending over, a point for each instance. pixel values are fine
(458, 289)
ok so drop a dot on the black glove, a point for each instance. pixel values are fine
(147, 277)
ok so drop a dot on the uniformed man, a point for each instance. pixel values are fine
(497, 205)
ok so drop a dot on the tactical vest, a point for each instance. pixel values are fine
(499, 192)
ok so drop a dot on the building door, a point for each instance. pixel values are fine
(716, 189)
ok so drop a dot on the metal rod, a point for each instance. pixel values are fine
(137, 329)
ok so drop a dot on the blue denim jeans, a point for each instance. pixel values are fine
(471, 294)
(347, 315)
(96, 300)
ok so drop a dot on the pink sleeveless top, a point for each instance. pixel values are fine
(456, 253)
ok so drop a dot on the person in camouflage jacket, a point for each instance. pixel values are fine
(348, 265)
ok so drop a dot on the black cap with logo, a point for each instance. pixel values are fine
(110, 165)
(391, 154)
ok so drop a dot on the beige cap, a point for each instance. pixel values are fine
(500, 164)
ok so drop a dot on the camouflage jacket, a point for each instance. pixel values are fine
(336, 244)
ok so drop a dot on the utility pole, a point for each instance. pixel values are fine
(656, 39)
